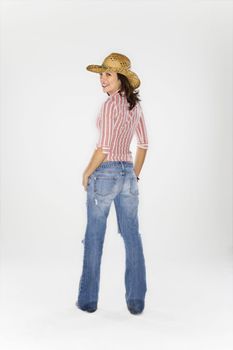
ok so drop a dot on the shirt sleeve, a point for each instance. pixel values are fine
(141, 132)
(106, 124)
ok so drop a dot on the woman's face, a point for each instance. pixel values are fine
(110, 82)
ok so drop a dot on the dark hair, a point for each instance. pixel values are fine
(130, 93)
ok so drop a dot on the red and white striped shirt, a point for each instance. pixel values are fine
(117, 125)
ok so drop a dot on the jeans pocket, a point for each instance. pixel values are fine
(103, 185)
(134, 186)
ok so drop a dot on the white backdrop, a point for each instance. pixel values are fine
(182, 52)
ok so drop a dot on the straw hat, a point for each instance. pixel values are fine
(118, 63)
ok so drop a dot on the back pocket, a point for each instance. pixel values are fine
(134, 186)
(103, 185)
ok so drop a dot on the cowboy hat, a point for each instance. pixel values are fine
(118, 63)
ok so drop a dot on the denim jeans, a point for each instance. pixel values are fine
(112, 181)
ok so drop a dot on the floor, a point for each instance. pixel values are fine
(188, 306)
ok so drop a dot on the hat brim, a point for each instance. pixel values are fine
(95, 68)
(132, 77)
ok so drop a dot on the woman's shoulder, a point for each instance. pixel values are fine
(108, 107)
(137, 107)
(109, 104)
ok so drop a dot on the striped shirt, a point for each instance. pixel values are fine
(117, 125)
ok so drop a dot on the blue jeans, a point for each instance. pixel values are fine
(112, 181)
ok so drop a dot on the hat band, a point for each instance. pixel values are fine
(115, 68)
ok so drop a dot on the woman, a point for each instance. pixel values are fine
(112, 176)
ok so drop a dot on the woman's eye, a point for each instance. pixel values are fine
(106, 74)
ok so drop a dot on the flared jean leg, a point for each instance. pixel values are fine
(93, 247)
(135, 270)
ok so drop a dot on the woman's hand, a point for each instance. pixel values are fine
(85, 181)
(96, 159)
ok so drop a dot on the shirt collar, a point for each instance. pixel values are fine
(123, 93)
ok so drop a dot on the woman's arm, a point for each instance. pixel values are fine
(142, 143)
(139, 160)
(96, 159)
